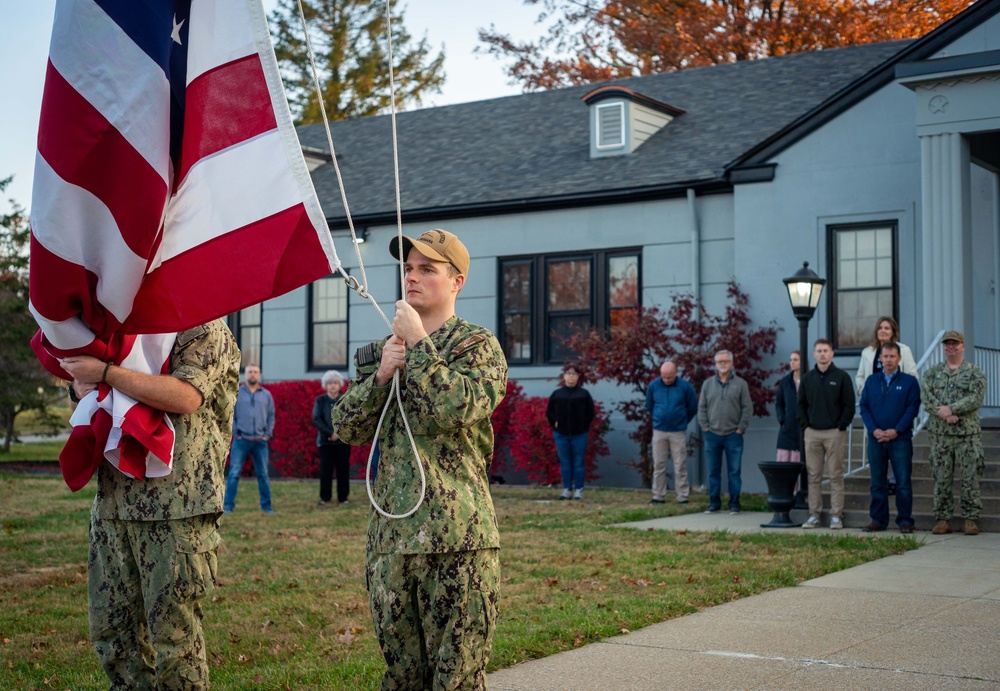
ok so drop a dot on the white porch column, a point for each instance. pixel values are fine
(946, 233)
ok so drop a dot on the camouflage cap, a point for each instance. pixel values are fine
(439, 245)
(953, 336)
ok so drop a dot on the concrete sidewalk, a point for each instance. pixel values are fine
(927, 619)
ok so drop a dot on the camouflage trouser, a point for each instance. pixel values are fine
(966, 455)
(146, 580)
(435, 615)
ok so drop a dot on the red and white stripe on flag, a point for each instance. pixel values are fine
(170, 187)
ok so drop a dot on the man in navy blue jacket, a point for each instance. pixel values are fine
(890, 402)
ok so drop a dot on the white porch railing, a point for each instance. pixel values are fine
(932, 356)
(988, 360)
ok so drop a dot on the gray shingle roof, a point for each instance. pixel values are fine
(533, 147)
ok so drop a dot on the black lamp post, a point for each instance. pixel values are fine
(804, 289)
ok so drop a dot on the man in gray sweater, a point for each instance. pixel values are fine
(724, 410)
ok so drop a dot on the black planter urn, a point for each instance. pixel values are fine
(781, 478)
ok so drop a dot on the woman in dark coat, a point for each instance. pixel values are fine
(784, 405)
(333, 453)
(570, 412)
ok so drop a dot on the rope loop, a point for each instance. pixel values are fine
(351, 281)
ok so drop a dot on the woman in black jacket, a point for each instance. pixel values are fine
(333, 453)
(785, 407)
(570, 412)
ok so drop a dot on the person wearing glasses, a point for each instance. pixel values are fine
(953, 393)
(724, 410)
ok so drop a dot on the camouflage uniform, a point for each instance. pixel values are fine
(153, 541)
(433, 578)
(959, 445)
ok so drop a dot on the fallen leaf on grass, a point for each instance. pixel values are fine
(578, 641)
(551, 581)
(624, 631)
(347, 638)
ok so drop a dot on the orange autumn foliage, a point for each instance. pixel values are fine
(595, 40)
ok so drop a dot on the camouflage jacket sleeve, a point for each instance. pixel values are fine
(357, 411)
(973, 387)
(928, 392)
(449, 390)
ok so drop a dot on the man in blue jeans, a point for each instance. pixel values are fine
(253, 427)
(890, 402)
(724, 410)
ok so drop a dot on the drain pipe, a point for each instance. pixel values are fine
(696, 292)
(695, 247)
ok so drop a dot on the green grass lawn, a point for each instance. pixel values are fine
(291, 609)
(31, 422)
(35, 451)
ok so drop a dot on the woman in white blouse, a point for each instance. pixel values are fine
(886, 330)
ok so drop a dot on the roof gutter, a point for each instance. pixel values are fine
(524, 205)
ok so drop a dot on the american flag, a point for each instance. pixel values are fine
(170, 187)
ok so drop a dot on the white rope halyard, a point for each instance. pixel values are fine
(361, 289)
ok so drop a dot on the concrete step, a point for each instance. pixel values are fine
(856, 518)
(921, 503)
(922, 468)
(922, 486)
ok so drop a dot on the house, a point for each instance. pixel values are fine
(877, 164)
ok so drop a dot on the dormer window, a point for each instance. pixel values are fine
(621, 119)
(611, 126)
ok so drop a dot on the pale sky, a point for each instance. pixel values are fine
(453, 23)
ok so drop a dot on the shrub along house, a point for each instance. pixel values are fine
(877, 164)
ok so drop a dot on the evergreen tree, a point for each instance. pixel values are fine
(350, 43)
(24, 384)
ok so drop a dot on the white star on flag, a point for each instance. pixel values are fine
(176, 33)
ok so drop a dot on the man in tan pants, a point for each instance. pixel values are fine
(672, 403)
(825, 409)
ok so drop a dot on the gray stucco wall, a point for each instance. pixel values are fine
(863, 166)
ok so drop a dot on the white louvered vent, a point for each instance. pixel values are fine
(621, 120)
(610, 125)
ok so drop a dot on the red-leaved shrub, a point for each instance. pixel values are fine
(293, 448)
(533, 450)
(522, 438)
(501, 421)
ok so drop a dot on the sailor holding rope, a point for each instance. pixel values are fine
(433, 576)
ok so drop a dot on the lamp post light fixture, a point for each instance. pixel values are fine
(804, 290)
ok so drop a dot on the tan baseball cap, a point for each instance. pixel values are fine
(953, 336)
(439, 245)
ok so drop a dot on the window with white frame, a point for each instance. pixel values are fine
(328, 308)
(246, 328)
(863, 283)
